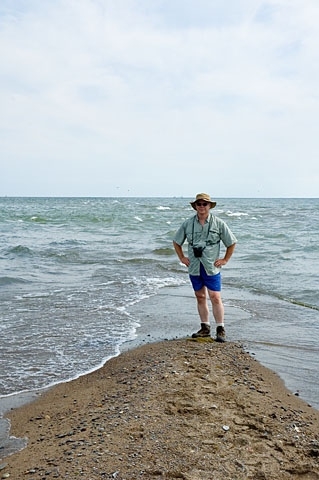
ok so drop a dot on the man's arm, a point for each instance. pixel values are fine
(222, 261)
(180, 254)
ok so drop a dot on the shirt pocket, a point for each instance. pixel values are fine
(213, 237)
(189, 237)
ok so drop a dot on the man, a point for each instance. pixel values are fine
(204, 231)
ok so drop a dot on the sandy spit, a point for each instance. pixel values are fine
(177, 409)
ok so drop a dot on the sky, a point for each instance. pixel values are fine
(162, 98)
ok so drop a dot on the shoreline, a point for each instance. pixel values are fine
(151, 331)
(179, 409)
(176, 316)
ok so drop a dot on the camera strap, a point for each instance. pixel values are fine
(209, 227)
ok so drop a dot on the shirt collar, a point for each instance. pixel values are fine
(206, 220)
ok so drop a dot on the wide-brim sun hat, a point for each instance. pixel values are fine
(205, 197)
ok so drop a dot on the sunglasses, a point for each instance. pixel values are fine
(202, 204)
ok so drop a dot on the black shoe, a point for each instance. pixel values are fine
(203, 332)
(220, 335)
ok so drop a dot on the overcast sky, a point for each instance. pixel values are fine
(159, 98)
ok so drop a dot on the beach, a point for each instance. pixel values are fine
(171, 409)
(98, 375)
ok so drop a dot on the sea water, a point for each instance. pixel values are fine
(73, 271)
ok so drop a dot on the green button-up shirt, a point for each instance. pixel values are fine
(207, 236)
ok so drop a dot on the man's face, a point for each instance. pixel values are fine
(202, 206)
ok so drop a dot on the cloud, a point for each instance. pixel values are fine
(144, 97)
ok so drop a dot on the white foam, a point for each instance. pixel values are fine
(236, 214)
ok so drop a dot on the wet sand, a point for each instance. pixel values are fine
(174, 409)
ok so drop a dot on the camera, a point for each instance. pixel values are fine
(198, 251)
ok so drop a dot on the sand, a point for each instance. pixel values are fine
(178, 409)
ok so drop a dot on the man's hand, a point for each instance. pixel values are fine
(185, 261)
(220, 262)
(178, 249)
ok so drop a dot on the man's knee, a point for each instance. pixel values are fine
(200, 295)
(215, 297)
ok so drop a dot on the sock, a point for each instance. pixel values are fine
(220, 324)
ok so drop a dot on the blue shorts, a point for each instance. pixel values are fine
(212, 282)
